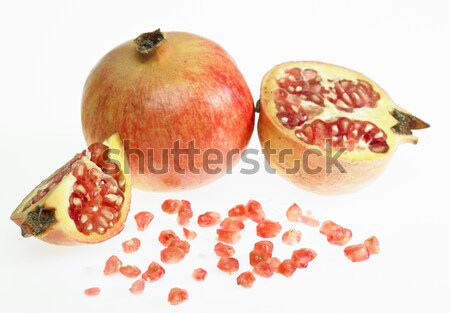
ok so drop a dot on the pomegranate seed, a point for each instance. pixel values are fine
(257, 256)
(208, 219)
(138, 286)
(94, 291)
(357, 253)
(199, 274)
(228, 264)
(112, 265)
(291, 237)
(189, 234)
(327, 227)
(246, 279)
(310, 220)
(287, 268)
(303, 256)
(177, 296)
(222, 249)
(172, 255)
(294, 213)
(167, 236)
(265, 246)
(171, 206)
(339, 236)
(255, 211)
(228, 236)
(274, 263)
(143, 219)
(373, 245)
(154, 272)
(263, 269)
(185, 213)
(182, 244)
(232, 224)
(130, 271)
(131, 245)
(268, 229)
(239, 211)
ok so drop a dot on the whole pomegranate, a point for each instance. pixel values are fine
(329, 129)
(180, 104)
(85, 201)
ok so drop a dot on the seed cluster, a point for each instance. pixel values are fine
(261, 258)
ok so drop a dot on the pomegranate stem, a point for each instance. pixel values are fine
(148, 42)
(406, 123)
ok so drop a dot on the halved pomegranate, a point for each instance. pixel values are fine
(329, 129)
(85, 201)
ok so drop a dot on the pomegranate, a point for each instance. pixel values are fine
(164, 92)
(85, 201)
(329, 129)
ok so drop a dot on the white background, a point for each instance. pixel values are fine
(48, 49)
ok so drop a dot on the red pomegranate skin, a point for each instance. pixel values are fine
(188, 89)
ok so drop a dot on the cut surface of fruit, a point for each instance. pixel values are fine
(319, 111)
(85, 201)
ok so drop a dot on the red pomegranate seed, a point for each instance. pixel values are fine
(131, 245)
(154, 272)
(373, 245)
(94, 291)
(222, 249)
(287, 268)
(255, 211)
(182, 244)
(177, 296)
(185, 213)
(293, 213)
(246, 279)
(263, 269)
(239, 211)
(291, 237)
(171, 206)
(339, 236)
(268, 229)
(130, 271)
(232, 224)
(208, 219)
(265, 246)
(303, 256)
(228, 236)
(112, 265)
(138, 286)
(357, 253)
(167, 236)
(327, 227)
(189, 234)
(228, 264)
(309, 220)
(257, 256)
(143, 219)
(172, 255)
(274, 263)
(199, 274)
